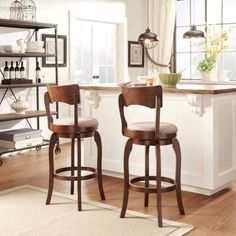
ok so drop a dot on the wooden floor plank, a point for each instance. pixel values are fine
(214, 215)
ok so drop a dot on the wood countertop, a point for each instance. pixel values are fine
(180, 88)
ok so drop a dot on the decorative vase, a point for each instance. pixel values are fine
(209, 76)
(20, 106)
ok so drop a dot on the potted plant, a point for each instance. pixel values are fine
(206, 67)
(213, 44)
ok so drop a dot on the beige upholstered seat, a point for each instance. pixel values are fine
(166, 130)
(68, 125)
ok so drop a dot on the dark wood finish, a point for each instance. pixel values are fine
(97, 139)
(72, 186)
(25, 24)
(17, 81)
(146, 194)
(70, 94)
(150, 97)
(27, 54)
(176, 148)
(128, 148)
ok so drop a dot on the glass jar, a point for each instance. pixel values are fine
(28, 10)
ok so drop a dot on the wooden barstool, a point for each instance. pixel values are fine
(156, 134)
(74, 128)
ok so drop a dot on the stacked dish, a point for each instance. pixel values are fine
(35, 46)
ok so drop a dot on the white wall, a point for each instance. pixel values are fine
(57, 12)
(136, 24)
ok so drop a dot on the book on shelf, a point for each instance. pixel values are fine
(21, 144)
(15, 135)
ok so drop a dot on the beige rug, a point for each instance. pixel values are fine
(23, 212)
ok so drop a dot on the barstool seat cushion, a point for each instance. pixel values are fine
(66, 125)
(146, 130)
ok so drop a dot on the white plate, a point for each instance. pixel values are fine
(42, 50)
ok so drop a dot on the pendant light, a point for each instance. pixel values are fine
(193, 32)
(148, 38)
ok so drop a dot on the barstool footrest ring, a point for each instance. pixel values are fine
(152, 188)
(69, 178)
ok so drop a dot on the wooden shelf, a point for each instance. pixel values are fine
(28, 114)
(25, 24)
(34, 26)
(5, 86)
(27, 54)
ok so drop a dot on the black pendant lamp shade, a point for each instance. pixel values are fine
(193, 33)
(148, 39)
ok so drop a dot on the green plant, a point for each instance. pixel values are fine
(215, 43)
(207, 64)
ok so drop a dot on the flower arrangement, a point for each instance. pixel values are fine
(214, 44)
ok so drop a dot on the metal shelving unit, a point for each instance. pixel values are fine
(35, 26)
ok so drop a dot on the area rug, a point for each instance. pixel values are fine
(23, 213)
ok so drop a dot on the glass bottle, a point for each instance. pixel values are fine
(12, 71)
(6, 71)
(17, 71)
(38, 73)
(22, 71)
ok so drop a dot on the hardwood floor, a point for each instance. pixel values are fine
(214, 215)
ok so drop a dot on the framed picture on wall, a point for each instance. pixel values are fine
(49, 44)
(135, 54)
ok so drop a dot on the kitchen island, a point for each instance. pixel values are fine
(206, 119)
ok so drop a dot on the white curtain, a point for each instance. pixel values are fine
(162, 22)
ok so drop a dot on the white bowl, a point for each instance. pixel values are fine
(11, 48)
(31, 45)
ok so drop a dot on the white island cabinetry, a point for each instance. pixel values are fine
(206, 119)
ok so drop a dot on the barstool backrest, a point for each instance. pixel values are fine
(63, 93)
(145, 96)
(150, 97)
(69, 94)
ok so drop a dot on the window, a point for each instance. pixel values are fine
(95, 51)
(188, 53)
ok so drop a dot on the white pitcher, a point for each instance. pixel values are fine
(21, 45)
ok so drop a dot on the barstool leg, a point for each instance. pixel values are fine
(79, 173)
(98, 141)
(128, 148)
(176, 147)
(158, 184)
(146, 194)
(72, 165)
(52, 143)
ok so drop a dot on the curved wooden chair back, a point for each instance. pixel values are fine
(64, 93)
(150, 97)
(69, 94)
(144, 96)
